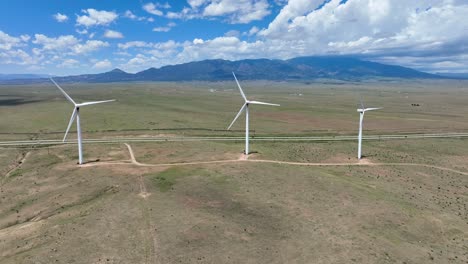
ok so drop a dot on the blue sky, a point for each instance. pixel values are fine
(64, 37)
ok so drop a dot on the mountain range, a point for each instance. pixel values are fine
(301, 68)
(22, 76)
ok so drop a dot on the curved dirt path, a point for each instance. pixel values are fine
(18, 165)
(243, 158)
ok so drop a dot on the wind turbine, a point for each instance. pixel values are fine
(246, 107)
(76, 114)
(361, 112)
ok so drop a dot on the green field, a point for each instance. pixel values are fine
(406, 203)
(192, 109)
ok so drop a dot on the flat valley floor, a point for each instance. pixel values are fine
(204, 202)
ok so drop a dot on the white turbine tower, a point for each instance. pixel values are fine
(76, 114)
(246, 107)
(361, 112)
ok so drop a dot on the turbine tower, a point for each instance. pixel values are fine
(76, 114)
(361, 112)
(246, 107)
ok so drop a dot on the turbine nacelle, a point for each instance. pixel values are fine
(363, 110)
(76, 115)
(245, 107)
(247, 102)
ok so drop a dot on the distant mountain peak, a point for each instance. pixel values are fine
(117, 70)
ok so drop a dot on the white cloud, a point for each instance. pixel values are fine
(94, 17)
(166, 28)
(232, 33)
(129, 14)
(165, 5)
(25, 38)
(234, 11)
(198, 41)
(55, 44)
(8, 42)
(68, 44)
(151, 8)
(197, 3)
(104, 64)
(69, 63)
(161, 29)
(134, 44)
(18, 57)
(113, 34)
(89, 46)
(239, 11)
(60, 17)
(82, 32)
(253, 31)
(369, 27)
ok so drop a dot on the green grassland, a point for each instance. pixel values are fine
(192, 109)
(52, 211)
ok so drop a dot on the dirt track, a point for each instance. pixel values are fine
(243, 158)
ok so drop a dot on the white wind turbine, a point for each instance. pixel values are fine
(246, 107)
(76, 114)
(361, 112)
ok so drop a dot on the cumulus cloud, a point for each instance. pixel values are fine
(68, 44)
(8, 42)
(376, 30)
(44, 50)
(235, 11)
(197, 3)
(68, 63)
(428, 35)
(55, 44)
(82, 32)
(25, 38)
(152, 9)
(239, 11)
(166, 28)
(129, 14)
(152, 54)
(368, 27)
(134, 44)
(60, 17)
(94, 17)
(161, 29)
(253, 31)
(104, 64)
(18, 57)
(113, 34)
(89, 46)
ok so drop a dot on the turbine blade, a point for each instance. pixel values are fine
(64, 93)
(262, 103)
(72, 118)
(362, 104)
(240, 88)
(95, 102)
(374, 108)
(237, 116)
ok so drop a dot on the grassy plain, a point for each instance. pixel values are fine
(52, 211)
(40, 111)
